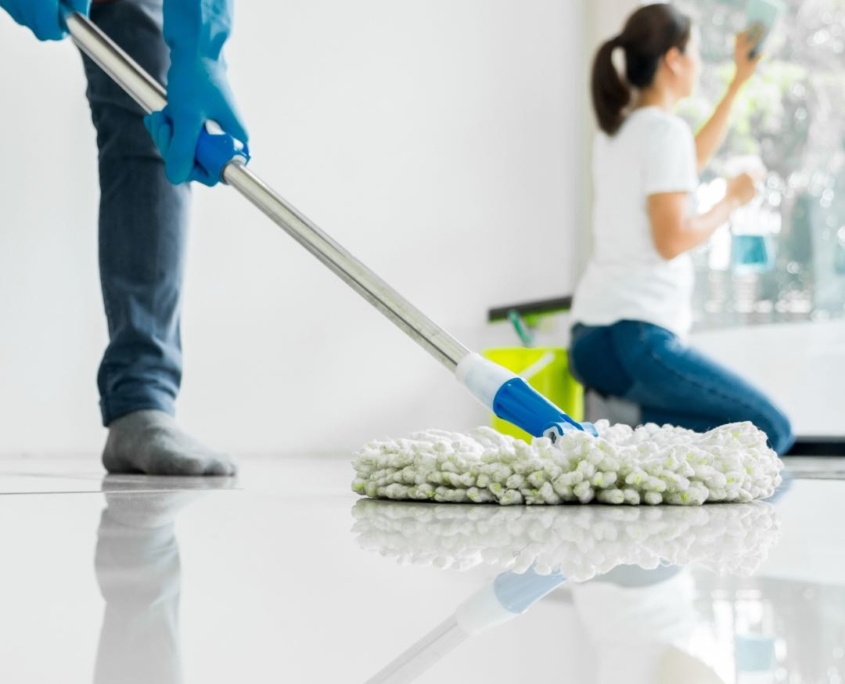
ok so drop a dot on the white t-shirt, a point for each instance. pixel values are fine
(626, 278)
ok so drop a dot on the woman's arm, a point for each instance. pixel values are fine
(712, 134)
(675, 231)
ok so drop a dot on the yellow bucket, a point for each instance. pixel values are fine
(547, 370)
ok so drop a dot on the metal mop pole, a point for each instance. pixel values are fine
(497, 388)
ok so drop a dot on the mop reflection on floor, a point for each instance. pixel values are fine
(626, 569)
(581, 542)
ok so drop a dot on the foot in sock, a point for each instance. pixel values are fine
(151, 442)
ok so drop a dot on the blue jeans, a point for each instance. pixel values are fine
(649, 366)
(143, 226)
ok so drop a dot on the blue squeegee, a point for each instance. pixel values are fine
(500, 390)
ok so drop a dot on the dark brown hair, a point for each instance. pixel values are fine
(649, 34)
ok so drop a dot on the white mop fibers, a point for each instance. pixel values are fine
(650, 465)
(580, 542)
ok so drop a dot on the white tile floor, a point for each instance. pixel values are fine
(276, 578)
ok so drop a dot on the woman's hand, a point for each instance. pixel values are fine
(675, 230)
(746, 65)
(742, 189)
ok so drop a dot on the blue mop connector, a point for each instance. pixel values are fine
(508, 596)
(517, 592)
(514, 400)
(216, 149)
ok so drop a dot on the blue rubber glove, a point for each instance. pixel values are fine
(44, 17)
(197, 86)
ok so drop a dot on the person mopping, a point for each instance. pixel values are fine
(146, 166)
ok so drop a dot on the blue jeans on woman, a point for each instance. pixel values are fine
(143, 226)
(672, 383)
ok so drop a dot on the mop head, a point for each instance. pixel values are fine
(650, 465)
(579, 542)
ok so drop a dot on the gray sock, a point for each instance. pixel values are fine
(151, 442)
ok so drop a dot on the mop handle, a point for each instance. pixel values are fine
(151, 96)
(498, 389)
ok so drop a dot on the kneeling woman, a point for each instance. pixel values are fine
(632, 309)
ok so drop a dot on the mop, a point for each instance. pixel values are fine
(729, 453)
(649, 465)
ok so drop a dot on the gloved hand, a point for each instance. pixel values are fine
(43, 17)
(197, 88)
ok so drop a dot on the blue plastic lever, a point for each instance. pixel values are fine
(518, 592)
(216, 149)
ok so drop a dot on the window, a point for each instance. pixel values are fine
(783, 259)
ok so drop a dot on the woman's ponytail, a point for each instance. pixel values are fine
(611, 94)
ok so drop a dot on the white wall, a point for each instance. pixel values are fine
(800, 365)
(603, 20)
(441, 141)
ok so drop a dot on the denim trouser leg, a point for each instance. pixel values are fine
(143, 227)
(671, 382)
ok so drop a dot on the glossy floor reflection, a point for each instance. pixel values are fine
(285, 575)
